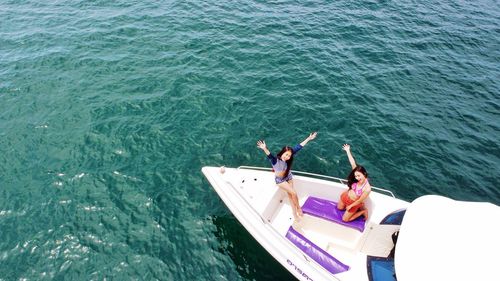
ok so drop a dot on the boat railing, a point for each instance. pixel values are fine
(342, 181)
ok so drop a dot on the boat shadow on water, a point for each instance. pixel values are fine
(251, 260)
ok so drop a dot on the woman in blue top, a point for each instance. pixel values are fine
(281, 166)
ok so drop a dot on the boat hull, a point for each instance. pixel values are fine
(263, 209)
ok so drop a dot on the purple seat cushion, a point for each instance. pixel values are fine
(326, 209)
(316, 253)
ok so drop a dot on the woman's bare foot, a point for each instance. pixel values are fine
(365, 215)
(298, 219)
(299, 212)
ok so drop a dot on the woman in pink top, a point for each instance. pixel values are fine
(352, 199)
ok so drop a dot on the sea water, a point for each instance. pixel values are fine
(109, 109)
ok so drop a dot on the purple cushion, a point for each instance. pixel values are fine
(326, 209)
(316, 253)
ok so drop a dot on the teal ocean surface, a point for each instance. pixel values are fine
(109, 109)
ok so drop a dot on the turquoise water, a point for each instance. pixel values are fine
(109, 109)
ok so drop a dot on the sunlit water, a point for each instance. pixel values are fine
(109, 109)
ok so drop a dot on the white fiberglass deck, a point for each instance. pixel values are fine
(271, 205)
(263, 209)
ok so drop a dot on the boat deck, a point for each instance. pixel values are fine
(268, 202)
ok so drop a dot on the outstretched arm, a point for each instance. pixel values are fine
(262, 145)
(309, 138)
(347, 149)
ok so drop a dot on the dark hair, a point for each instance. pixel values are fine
(289, 162)
(351, 179)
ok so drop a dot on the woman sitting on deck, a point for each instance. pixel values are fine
(281, 166)
(359, 188)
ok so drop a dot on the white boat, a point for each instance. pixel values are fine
(437, 238)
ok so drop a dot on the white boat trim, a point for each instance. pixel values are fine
(342, 181)
(280, 251)
(428, 248)
(270, 227)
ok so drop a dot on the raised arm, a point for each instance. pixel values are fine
(347, 149)
(309, 138)
(262, 145)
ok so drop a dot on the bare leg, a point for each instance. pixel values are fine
(365, 214)
(340, 204)
(352, 216)
(358, 214)
(294, 211)
(294, 199)
(347, 216)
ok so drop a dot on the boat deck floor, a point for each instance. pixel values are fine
(338, 240)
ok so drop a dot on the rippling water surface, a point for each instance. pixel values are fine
(109, 109)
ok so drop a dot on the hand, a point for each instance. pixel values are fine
(312, 135)
(346, 147)
(261, 144)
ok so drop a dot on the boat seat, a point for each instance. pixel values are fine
(316, 253)
(327, 210)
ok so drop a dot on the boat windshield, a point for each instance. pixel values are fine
(382, 268)
(394, 218)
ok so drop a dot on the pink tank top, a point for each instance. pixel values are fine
(358, 191)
